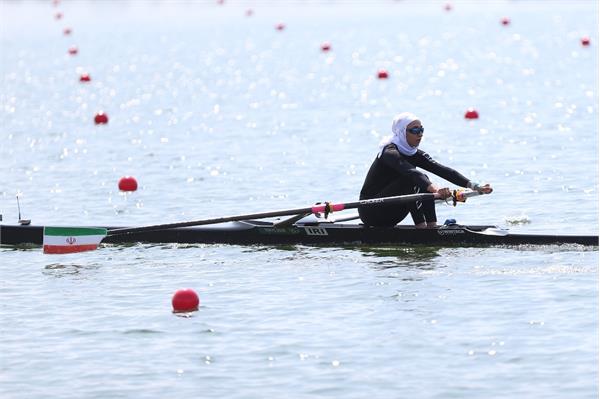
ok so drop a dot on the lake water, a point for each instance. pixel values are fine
(217, 113)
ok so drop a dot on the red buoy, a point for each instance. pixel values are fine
(85, 77)
(448, 7)
(382, 74)
(58, 15)
(101, 118)
(585, 41)
(505, 21)
(67, 31)
(73, 50)
(280, 26)
(325, 47)
(185, 300)
(128, 183)
(249, 12)
(471, 114)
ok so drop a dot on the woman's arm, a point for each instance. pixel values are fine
(392, 158)
(424, 160)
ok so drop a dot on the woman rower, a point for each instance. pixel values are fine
(394, 172)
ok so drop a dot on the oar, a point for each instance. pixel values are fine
(326, 208)
(77, 239)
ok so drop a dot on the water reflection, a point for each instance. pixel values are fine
(380, 257)
(381, 250)
(20, 247)
(267, 248)
(421, 257)
(60, 270)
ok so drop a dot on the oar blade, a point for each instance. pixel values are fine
(66, 240)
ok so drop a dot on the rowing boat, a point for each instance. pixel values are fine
(313, 232)
(308, 225)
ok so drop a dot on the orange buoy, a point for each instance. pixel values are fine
(101, 118)
(128, 183)
(471, 114)
(185, 300)
(382, 74)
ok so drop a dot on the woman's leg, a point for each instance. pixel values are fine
(429, 213)
(423, 212)
(387, 215)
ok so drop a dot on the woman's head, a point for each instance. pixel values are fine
(414, 133)
(408, 128)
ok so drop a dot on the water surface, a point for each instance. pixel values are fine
(217, 113)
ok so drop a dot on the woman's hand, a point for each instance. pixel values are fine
(485, 189)
(432, 188)
(442, 193)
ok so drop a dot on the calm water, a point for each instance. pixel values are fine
(218, 113)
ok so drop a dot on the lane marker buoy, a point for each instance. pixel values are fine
(185, 300)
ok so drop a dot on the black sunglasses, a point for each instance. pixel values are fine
(416, 130)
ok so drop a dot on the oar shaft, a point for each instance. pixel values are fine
(327, 207)
(202, 222)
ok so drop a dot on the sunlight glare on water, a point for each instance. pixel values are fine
(217, 113)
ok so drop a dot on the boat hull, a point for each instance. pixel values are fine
(257, 232)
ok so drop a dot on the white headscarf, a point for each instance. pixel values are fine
(401, 121)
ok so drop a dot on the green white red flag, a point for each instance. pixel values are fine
(65, 240)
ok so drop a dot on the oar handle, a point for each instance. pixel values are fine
(461, 196)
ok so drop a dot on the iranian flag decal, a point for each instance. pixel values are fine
(64, 240)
